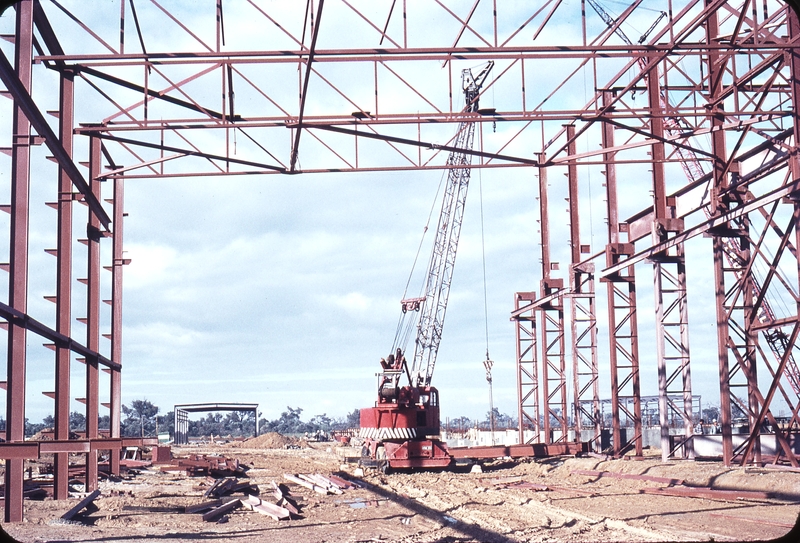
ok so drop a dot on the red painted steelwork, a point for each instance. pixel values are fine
(530, 450)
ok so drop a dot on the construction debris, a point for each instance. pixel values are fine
(320, 483)
(198, 465)
(230, 485)
(265, 508)
(85, 503)
(285, 508)
(219, 511)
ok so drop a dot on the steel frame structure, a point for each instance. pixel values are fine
(181, 416)
(718, 132)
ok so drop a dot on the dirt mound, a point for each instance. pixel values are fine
(271, 440)
(42, 435)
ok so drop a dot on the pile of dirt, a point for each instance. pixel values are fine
(42, 435)
(270, 440)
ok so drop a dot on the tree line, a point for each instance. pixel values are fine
(141, 418)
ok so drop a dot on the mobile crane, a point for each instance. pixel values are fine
(402, 429)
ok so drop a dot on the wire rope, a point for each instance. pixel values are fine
(483, 257)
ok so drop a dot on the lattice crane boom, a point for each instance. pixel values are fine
(443, 255)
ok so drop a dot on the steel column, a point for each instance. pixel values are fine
(672, 341)
(18, 263)
(622, 319)
(553, 383)
(527, 367)
(93, 314)
(583, 320)
(115, 407)
(64, 289)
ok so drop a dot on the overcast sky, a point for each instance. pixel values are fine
(285, 290)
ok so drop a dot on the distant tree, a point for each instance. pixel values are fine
(460, 424)
(49, 421)
(77, 421)
(349, 421)
(322, 423)
(139, 418)
(710, 413)
(32, 428)
(354, 419)
(736, 412)
(289, 422)
(104, 422)
(166, 423)
(501, 420)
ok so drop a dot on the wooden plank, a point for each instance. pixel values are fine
(217, 512)
(82, 504)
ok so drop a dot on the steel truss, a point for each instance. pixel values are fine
(707, 102)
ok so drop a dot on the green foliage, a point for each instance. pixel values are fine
(77, 422)
(140, 419)
(460, 424)
(711, 413)
(289, 422)
(352, 420)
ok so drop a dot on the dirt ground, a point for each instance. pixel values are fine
(457, 505)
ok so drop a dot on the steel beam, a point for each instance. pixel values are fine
(304, 92)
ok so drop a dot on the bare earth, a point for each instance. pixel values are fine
(421, 507)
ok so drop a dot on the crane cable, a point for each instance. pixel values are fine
(483, 257)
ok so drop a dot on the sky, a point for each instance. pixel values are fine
(284, 290)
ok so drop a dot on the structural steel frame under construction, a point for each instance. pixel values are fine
(695, 124)
(181, 416)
